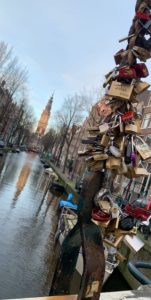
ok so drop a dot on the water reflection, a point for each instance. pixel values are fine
(26, 239)
(22, 178)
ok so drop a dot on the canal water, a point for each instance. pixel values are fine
(28, 223)
(27, 226)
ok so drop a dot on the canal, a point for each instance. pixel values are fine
(27, 225)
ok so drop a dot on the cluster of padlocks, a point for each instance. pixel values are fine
(116, 146)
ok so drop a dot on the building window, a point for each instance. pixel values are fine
(146, 121)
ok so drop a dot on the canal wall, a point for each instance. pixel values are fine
(67, 183)
(143, 255)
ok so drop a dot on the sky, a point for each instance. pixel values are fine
(66, 45)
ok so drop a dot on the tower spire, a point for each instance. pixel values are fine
(43, 121)
(49, 104)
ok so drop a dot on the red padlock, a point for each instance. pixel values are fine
(127, 72)
(142, 16)
(141, 70)
(100, 215)
(127, 116)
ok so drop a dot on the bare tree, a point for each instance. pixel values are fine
(5, 54)
(11, 71)
(15, 77)
(70, 116)
(69, 138)
(48, 140)
(25, 123)
(16, 117)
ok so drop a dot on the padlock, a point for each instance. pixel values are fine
(101, 156)
(122, 146)
(143, 16)
(127, 116)
(128, 151)
(104, 205)
(104, 128)
(122, 168)
(96, 166)
(121, 125)
(105, 140)
(115, 151)
(142, 148)
(126, 72)
(138, 171)
(138, 123)
(131, 59)
(143, 12)
(141, 53)
(140, 86)
(131, 128)
(118, 56)
(113, 163)
(141, 70)
(117, 141)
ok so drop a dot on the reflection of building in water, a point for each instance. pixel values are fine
(22, 179)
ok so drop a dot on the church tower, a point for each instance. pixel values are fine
(43, 122)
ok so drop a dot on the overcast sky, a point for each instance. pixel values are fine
(67, 45)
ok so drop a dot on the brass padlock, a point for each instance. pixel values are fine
(105, 140)
(113, 163)
(138, 123)
(131, 128)
(121, 125)
(122, 146)
(141, 86)
(101, 156)
(123, 168)
(140, 172)
(97, 166)
(136, 172)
